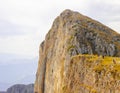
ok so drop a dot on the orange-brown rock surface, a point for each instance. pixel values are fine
(70, 58)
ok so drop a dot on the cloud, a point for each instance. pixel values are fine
(107, 12)
(24, 45)
(20, 12)
(31, 12)
(8, 29)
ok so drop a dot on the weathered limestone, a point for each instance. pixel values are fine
(73, 34)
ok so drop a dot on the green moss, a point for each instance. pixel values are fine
(64, 89)
(70, 47)
(71, 38)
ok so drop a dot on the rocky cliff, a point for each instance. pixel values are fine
(78, 55)
(20, 88)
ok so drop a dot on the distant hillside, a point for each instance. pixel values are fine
(20, 88)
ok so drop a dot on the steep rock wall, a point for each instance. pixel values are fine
(73, 34)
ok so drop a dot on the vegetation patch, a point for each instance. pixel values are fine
(70, 47)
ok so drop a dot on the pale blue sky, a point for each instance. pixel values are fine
(24, 23)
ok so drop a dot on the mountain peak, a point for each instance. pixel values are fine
(88, 36)
(67, 11)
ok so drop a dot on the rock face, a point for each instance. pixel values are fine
(63, 64)
(20, 88)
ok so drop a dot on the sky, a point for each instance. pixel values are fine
(24, 23)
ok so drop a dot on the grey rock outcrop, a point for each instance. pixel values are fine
(20, 88)
(16, 89)
(89, 36)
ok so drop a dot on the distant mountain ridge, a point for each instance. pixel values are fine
(20, 88)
